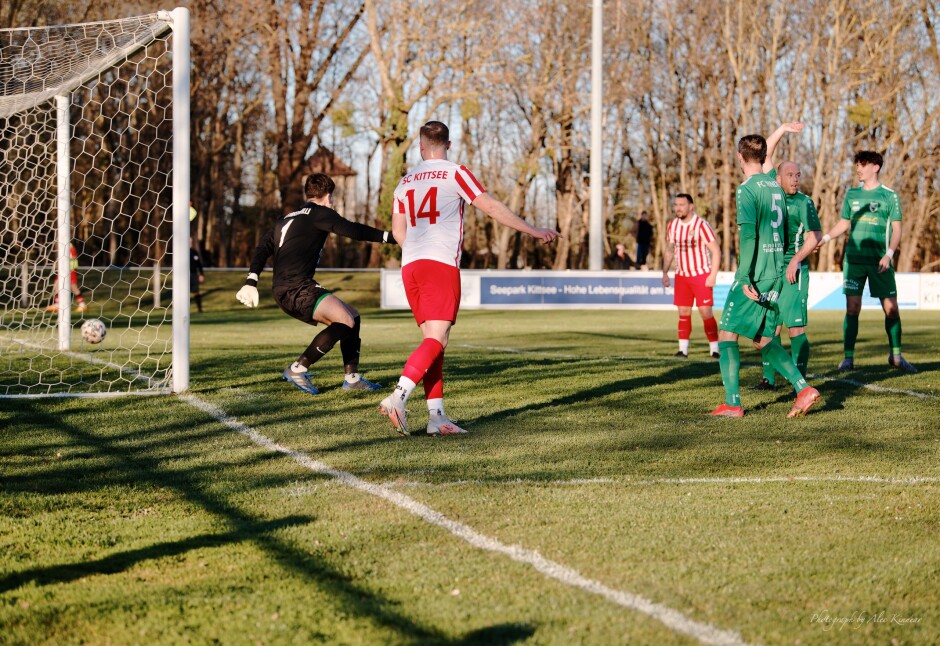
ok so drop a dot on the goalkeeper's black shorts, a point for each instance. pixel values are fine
(300, 301)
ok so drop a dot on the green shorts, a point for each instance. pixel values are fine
(881, 285)
(748, 318)
(793, 299)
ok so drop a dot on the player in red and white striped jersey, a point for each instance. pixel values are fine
(691, 241)
(427, 219)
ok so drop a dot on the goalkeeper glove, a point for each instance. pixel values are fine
(248, 296)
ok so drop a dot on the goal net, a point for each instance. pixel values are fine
(94, 195)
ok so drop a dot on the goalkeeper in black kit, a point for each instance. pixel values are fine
(296, 243)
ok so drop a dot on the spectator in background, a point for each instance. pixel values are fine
(619, 259)
(78, 299)
(643, 231)
(196, 274)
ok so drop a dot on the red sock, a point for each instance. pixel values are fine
(711, 329)
(434, 379)
(685, 327)
(421, 359)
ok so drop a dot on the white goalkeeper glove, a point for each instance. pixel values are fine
(248, 296)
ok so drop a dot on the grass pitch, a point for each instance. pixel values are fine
(148, 520)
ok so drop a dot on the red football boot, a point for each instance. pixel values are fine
(728, 411)
(804, 401)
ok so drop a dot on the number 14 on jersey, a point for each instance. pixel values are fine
(428, 208)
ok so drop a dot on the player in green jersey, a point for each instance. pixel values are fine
(751, 308)
(871, 213)
(803, 235)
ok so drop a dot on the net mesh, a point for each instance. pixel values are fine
(118, 76)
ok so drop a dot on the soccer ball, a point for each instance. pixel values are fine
(94, 331)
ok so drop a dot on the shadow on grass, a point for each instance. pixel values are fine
(122, 561)
(580, 397)
(349, 596)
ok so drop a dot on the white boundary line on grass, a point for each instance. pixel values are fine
(877, 389)
(914, 480)
(672, 619)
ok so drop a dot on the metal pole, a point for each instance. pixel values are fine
(596, 247)
(181, 70)
(64, 228)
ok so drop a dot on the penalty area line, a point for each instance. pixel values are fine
(672, 619)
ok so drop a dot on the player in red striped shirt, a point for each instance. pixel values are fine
(691, 241)
(427, 219)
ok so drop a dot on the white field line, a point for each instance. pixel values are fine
(877, 389)
(672, 619)
(914, 480)
(851, 382)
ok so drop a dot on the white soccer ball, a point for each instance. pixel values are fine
(94, 331)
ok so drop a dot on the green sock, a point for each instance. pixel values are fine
(849, 334)
(893, 328)
(799, 349)
(782, 362)
(729, 360)
(769, 372)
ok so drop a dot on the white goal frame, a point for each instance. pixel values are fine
(59, 88)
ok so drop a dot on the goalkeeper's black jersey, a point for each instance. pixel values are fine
(296, 243)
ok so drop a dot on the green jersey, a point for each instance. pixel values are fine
(801, 217)
(871, 213)
(760, 204)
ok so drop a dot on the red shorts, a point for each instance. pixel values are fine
(433, 290)
(690, 290)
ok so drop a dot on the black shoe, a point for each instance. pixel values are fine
(682, 355)
(901, 363)
(715, 355)
(764, 384)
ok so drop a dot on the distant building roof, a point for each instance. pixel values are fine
(325, 161)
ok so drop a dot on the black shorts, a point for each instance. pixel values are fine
(301, 301)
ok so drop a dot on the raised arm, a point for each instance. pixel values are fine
(501, 213)
(774, 139)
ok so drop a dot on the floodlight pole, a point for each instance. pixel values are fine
(596, 232)
(63, 221)
(179, 19)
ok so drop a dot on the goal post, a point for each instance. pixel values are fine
(94, 197)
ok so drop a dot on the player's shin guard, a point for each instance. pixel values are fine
(685, 327)
(350, 348)
(730, 363)
(323, 343)
(711, 329)
(769, 372)
(434, 379)
(799, 348)
(421, 359)
(849, 334)
(893, 328)
(782, 362)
